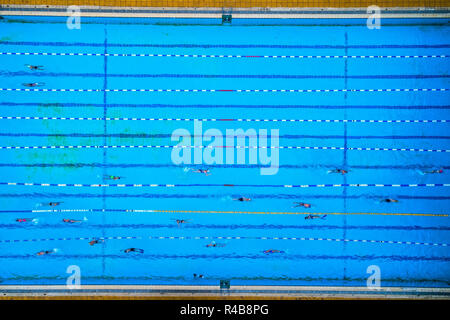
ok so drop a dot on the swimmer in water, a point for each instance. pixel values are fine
(50, 204)
(204, 171)
(302, 204)
(53, 204)
(200, 276)
(315, 216)
(108, 177)
(26, 220)
(242, 199)
(272, 251)
(31, 67)
(71, 220)
(96, 241)
(181, 221)
(389, 200)
(137, 250)
(341, 171)
(34, 84)
(44, 252)
(213, 244)
(433, 171)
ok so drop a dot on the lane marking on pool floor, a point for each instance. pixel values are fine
(225, 238)
(219, 119)
(151, 185)
(237, 147)
(217, 212)
(225, 55)
(228, 90)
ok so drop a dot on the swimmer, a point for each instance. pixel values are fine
(34, 84)
(200, 276)
(342, 171)
(71, 220)
(433, 171)
(53, 204)
(133, 250)
(213, 244)
(389, 200)
(315, 216)
(242, 199)
(302, 204)
(96, 241)
(26, 220)
(205, 171)
(181, 221)
(44, 252)
(31, 67)
(272, 251)
(108, 177)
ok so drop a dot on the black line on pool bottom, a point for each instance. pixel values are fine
(219, 166)
(207, 46)
(344, 191)
(225, 76)
(230, 256)
(92, 227)
(215, 196)
(212, 106)
(105, 131)
(169, 135)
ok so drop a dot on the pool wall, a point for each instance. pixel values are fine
(237, 3)
(237, 292)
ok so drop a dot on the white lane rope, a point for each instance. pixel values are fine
(225, 147)
(226, 55)
(223, 119)
(151, 185)
(222, 238)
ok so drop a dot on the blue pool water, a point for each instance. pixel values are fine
(288, 55)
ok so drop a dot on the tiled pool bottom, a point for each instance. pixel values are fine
(371, 102)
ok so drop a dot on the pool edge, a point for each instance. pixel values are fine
(165, 292)
(237, 13)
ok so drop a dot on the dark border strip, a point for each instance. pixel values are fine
(219, 166)
(273, 11)
(265, 227)
(229, 256)
(209, 46)
(224, 76)
(167, 135)
(208, 106)
(217, 196)
(227, 292)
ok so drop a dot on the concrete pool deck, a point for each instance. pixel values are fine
(215, 293)
(159, 292)
(216, 12)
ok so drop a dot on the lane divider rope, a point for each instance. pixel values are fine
(216, 212)
(227, 90)
(228, 238)
(237, 147)
(214, 119)
(144, 185)
(225, 55)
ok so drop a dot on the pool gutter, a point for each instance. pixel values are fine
(215, 293)
(237, 13)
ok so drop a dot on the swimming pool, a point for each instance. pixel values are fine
(372, 102)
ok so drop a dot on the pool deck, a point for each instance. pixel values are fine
(162, 292)
(216, 12)
(166, 292)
